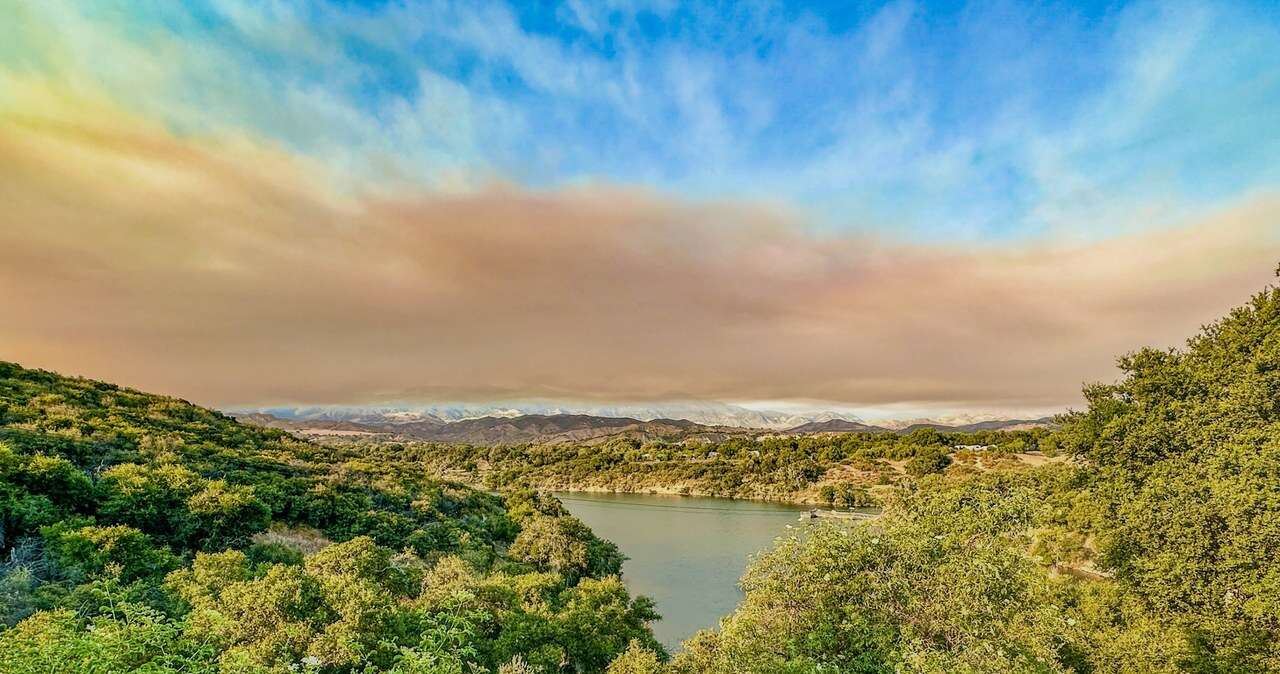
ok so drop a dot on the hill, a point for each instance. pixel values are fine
(843, 426)
(992, 425)
(143, 533)
(835, 426)
(556, 429)
(316, 427)
(504, 430)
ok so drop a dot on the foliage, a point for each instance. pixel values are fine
(146, 534)
(928, 462)
(1187, 447)
(636, 660)
(82, 552)
(838, 469)
(129, 638)
(565, 545)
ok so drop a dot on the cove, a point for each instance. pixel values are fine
(685, 552)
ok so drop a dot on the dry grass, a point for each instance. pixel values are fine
(305, 540)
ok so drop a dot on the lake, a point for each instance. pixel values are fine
(685, 552)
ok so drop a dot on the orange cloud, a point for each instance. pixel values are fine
(228, 272)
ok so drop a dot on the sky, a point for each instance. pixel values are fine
(928, 206)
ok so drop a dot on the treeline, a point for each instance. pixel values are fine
(839, 469)
(141, 533)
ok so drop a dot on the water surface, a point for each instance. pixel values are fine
(685, 552)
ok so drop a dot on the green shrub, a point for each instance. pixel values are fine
(928, 462)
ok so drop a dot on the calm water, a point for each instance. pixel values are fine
(687, 553)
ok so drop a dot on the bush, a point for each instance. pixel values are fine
(82, 552)
(928, 462)
(273, 553)
(567, 546)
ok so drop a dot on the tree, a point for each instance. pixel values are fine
(635, 660)
(82, 552)
(150, 498)
(567, 546)
(130, 638)
(223, 515)
(928, 461)
(600, 620)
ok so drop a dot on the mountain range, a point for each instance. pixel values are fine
(585, 428)
(705, 413)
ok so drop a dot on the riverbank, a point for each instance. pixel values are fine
(796, 499)
(806, 498)
(845, 484)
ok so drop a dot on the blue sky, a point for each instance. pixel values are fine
(925, 121)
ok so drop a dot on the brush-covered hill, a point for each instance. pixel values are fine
(835, 468)
(558, 428)
(143, 533)
(834, 426)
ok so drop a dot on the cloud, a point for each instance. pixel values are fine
(231, 271)
(972, 122)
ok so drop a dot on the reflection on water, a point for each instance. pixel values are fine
(687, 553)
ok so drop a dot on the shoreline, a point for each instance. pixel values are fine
(664, 490)
(810, 496)
(680, 491)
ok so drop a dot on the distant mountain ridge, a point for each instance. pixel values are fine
(836, 426)
(584, 428)
(308, 427)
(540, 428)
(990, 425)
(705, 413)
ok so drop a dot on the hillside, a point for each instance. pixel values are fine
(557, 428)
(835, 426)
(142, 533)
(823, 468)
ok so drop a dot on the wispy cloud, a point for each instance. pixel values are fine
(979, 122)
